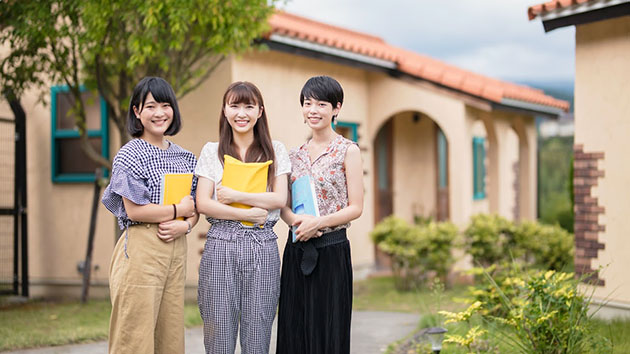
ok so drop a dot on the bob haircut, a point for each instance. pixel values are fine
(162, 92)
(322, 88)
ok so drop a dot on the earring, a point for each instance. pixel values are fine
(304, 120)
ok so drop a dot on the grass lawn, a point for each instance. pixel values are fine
(618, 332)
(379, 294)
(38, 323)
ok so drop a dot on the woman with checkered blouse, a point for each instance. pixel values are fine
(316, 286)
(148, 266)
(239, 274)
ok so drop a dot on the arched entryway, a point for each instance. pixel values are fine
(410, 171)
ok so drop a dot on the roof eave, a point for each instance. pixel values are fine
(294, 42)
(536, 109)
(588, 12)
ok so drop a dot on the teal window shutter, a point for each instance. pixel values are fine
(479, 168)
(348, 129)
(69, 164)
(442, 155)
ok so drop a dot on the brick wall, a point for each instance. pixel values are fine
(587, 210)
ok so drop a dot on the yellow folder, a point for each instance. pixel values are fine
(174, 187)
(249, 177)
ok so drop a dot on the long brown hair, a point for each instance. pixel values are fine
(261, 149)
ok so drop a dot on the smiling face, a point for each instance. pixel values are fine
(156, 117)
(242, 116)
(319, 114)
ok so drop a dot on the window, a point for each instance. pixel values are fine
(69, 162)
(479, 168)
(347, 130)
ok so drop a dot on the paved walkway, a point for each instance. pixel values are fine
(371, 333)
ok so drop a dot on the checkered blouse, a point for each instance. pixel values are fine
(137, 173)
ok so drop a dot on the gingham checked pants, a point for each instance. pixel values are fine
(239, 284)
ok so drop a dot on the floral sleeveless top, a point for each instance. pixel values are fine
(328, 174)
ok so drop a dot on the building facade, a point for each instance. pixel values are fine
(436, 141)
(602, 128)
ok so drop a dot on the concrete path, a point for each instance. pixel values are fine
(372, 332)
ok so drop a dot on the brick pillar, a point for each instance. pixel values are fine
(587, 209)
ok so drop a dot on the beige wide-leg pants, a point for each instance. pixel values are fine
(146, 285)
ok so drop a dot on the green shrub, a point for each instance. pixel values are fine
(542, 312)
(545, 246)
(494, 240)
(391, 226)
(489, 239)
(417, 251)
(491, 293)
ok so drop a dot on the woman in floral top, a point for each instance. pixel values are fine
(316, 283)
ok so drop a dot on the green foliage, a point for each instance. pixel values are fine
(545, 246)
(110, 45)
(488, 294)
(555, 182)
(488, 237)
(417, 251)
(542, 312)
(494, 240)
(390, 227)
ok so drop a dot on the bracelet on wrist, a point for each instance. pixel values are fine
(174, 211)
(189, 227)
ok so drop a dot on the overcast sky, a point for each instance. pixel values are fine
(490, 37)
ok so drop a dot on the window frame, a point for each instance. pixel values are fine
(59, 134)
(479, 168)
(354, 128)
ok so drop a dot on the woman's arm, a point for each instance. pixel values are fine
(171, 230)
(214, 209)
(308, 225)
(156, 213)
(275, 199)
(287, 215)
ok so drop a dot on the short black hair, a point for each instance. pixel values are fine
(162, 92)
(322, 88)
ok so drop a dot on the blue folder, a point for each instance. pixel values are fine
(303, 198)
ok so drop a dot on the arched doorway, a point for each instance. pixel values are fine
(410, 171)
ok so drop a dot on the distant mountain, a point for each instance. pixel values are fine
(558, 89)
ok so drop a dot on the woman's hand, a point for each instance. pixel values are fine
(171, 230)
(186, 207)
(257, 215)
(226, 195)
(308, 227)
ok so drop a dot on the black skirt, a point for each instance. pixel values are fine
(315, 310)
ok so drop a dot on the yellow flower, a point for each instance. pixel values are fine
(549, 274)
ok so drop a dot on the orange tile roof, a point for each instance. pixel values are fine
(409, 62)
(548, 6)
